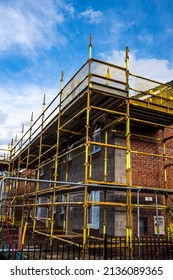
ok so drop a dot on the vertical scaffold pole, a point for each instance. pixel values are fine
(11, 173)
(157, 224)
(89, 216)
(90, 162)
(10, 166)
(7, 187)
(87, 145)
(165, 197)
(12, 192)
(66, 196)
(164, 161)
(39, 163)
(105, 179)
(90, 47)
(56, 161)
(19, 165)
(138, 223)
(128, 159)
(27, 166)
(20, 150)
(12, 157)
(106, 157)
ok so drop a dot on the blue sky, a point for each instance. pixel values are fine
(40, 38)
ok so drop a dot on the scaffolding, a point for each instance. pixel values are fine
(101, 98)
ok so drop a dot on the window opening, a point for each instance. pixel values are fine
(95, 210)
(96, 137)
(143, 225)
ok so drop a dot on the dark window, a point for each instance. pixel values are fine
(143, 225)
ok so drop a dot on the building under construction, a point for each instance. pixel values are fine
(98, 160)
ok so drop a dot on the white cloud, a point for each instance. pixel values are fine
(151, 68)
(17, 108)
(92, 16)
(69, 9)
(28, 25)
(3, 117)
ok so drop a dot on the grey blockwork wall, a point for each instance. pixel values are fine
(115, 217)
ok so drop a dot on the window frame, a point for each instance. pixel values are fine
(95, 210)
(96, 137)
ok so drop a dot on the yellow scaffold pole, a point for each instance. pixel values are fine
(128, 160)
(87, 147)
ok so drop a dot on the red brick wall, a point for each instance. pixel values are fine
(147, 170)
